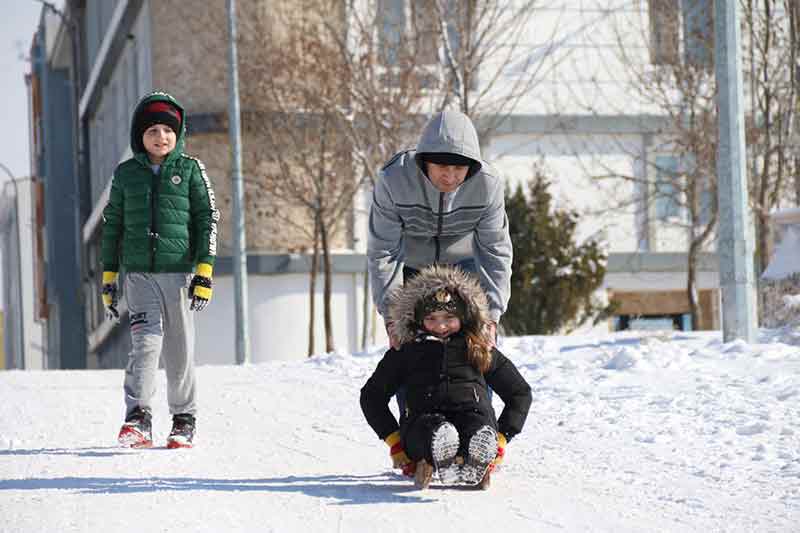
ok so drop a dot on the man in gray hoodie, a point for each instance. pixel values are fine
(440, 204)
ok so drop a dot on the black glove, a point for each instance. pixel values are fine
(199, 292)
(110, 295)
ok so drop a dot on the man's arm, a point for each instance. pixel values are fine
(494, 251)
(384, 245)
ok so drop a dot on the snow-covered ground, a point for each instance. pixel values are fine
(656, 432)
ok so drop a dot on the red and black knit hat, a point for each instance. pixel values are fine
(158, 113)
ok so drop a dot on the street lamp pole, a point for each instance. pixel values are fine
(735, 241)
(239, 253)
(19, 356)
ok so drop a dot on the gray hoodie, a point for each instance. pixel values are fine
(412, 223)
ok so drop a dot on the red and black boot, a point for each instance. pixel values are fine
(182, 432)
(137, 431)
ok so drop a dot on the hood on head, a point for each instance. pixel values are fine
(157, 96)
(450, 132)
(403, 301)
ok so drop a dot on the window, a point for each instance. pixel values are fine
(409, 27)
(424, 31)
(664, 31)
(667, 188)
(391, 26)
(698, 32)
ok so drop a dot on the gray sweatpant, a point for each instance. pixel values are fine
(161, 324)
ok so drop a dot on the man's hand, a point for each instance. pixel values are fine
(200, 287)
(394, 341)
(110, 295)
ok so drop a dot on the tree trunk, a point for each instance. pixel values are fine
(794, 30)
(326, 299)
(691, 284)
(365, 312)
(312, 287)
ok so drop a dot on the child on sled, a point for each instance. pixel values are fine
(445, 364)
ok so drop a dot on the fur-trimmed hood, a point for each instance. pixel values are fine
(403, 301)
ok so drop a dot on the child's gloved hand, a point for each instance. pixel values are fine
(501, 450)
(200, 287)
(399, 458)
(110, 295)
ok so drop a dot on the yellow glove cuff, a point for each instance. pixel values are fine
(392, 439)
(109, 277)
(203, 269)
(501, 440)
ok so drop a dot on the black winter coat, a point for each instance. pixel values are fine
(439, 379)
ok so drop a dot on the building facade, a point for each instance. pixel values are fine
(607, 147)
(128, 48)
(580, 121)
(56, 196)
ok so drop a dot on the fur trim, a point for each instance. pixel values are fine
(403, 300)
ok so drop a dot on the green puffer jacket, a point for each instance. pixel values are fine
(165, 222)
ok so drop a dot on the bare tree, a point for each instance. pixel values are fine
(675, 80)
(328, 112)
(771, 53)
(489, 63)
(679, 190)
(342, 86)
(303, 164)
(407, 60)
(793, 10)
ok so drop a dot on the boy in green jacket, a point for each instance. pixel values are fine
(160, 228)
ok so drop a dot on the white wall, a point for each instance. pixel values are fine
(278, 318)
(33, 333)
(660, 281)
(574, 49)
(570, 161)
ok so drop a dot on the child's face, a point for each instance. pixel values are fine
(447, 178)
(441, 323)
(159, 140)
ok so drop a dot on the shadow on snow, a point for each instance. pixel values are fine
(94, 451)
(347, 489)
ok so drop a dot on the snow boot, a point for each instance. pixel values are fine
(423, 474)
(444, 445)
(137, 431)
(482, 451)
(487, 480)
(182, 432)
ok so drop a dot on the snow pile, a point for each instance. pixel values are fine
(654, 432)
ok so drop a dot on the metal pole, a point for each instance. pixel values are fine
(20, 355)
(735, 243)
(239, 254)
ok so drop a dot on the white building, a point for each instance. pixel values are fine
(587, 121)
(24, 342)
(581, 121)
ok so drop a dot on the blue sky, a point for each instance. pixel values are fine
(17, 26)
